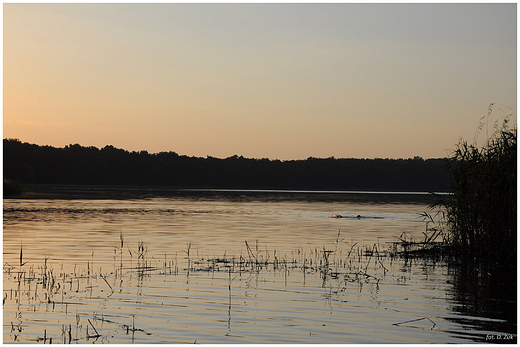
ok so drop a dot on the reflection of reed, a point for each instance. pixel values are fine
(99, 284)
(416, 320)
(481, 287)
(339, 267)
(489, 291)
(229, 306)
(230, 280)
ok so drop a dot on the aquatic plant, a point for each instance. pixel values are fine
(481, 212)
(348, 272)
(435, 241)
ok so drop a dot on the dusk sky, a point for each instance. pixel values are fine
(278, 81)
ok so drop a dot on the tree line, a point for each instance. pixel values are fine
(27, 163)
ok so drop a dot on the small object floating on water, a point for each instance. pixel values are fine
(337, 215)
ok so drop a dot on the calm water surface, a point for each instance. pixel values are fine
(173, 269)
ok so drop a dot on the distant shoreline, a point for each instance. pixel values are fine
(53, 191)
(30, 164)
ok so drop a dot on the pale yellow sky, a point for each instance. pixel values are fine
(278, 81)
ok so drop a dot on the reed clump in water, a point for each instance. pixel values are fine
(481, 212)
(433, 245)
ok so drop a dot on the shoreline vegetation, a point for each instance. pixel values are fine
(479, 219)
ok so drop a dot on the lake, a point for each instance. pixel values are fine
(218, 266)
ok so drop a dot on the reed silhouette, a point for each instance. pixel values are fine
(481, 212)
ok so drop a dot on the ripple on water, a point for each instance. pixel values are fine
(147, 295)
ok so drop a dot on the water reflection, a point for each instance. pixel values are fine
(485, 296)
(143, 264)
(231, 195)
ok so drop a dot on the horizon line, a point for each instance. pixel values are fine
(237, 156)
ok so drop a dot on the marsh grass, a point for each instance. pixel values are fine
(481, 212)
(71, 294)
(433, 244)
(44, 288)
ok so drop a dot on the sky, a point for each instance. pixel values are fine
(270, 80)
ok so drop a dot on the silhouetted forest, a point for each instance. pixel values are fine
(74, 164)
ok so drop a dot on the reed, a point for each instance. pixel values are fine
(481, 212)
(49, 289)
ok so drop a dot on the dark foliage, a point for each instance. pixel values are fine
(12, 189)
(481, 213)
(75, 164)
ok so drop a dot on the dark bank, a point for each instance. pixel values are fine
(26, 163)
